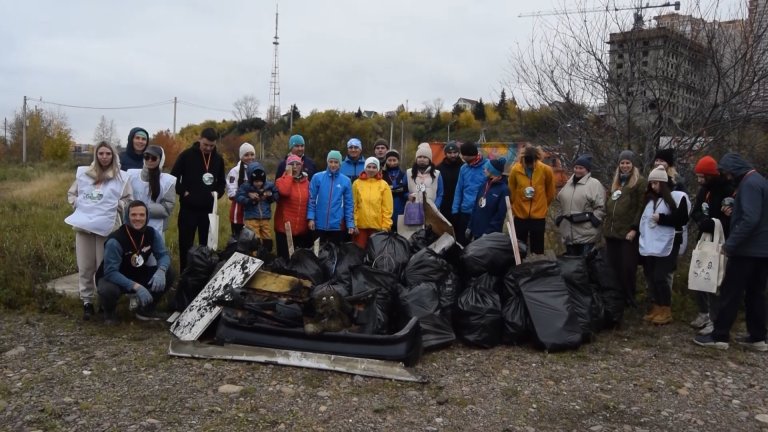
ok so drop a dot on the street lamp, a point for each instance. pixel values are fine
(449, 130)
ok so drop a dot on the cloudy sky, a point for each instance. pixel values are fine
(337, 54)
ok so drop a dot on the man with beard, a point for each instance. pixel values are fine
(136, 263)
(199, 171)
(133, 156)
(449, 169)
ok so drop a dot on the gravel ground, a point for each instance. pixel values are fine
(59, 373)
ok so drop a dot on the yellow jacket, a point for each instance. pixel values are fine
(372, 203)
(543, 183)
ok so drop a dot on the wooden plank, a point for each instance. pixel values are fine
(289, 238)
(273, 282)
(201, 312)
(331, 362)
(512, 234)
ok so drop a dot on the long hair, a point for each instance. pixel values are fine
(430, 169)
(241, 177)
(664, 193)
(634, 177)
(100, 174)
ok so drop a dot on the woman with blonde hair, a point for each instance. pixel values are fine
(621, 225)
(98, 196)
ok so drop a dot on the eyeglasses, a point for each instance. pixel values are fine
(148, 156)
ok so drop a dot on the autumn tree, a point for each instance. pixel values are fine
(106, 131)
(48, 136)
(247, 107)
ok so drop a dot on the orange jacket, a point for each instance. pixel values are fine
(292, 204)
(543, 183)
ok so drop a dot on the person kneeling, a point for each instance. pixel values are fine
(137, 263)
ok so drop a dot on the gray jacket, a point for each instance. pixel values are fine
(585, 196)
(749, 220)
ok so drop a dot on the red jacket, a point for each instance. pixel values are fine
(292, 205)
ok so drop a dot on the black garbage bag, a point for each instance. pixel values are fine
(201, 263)
(548, 302)
(329, 256)
(478, 312)
(518, 327)
(422, 301)
(247, 242)
(449, 290)
(425, 266)
(349, 256)
(491, 253)
(303, 264)
(388, 251)
(421, 239)
(611, 298)
(574, 272)
(372, 297)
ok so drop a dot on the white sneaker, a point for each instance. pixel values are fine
(701, 320)
(707, 329)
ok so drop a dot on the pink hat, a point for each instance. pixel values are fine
(292, 158)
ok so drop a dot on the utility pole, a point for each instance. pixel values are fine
(290, 126)
(24, 132)
(174, 116)
(391, 131)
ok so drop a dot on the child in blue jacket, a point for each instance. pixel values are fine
(257, 196)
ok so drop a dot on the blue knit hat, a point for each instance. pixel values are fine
(354, 142)
(495, 166)
(333, 154)
(295, 140)
(584, 160)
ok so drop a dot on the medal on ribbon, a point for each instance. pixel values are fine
(137, 260)
(615, 195)
(207, 179)
(481, 202)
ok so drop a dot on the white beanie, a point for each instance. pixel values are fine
(658, 174)
(373, 161)
(424, 150)
(246, 148)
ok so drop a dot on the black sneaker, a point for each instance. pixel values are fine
(88, 311)
(748, 343)
(110, 318)
(708, 341)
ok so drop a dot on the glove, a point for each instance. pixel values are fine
(398, 190)
(157, 283)
(559, 220)
(144, 296)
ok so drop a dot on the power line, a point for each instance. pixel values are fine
(151, 105)
(203, 106)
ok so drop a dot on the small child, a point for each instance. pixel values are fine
(372, 201)
(257, 196)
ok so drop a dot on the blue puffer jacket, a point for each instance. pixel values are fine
(330, 201)
(471, 178)
(395, 177)
(261, 209)
(353, 169)
(749, 232)
(490, 217)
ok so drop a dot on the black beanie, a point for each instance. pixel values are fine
(469, 149)
(258, 175)
(667, 155)
(584, 160)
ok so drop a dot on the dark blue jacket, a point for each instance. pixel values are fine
(308, 167)
(395, 178)
(749, 230)
(261, 209)
(489, 218)
(129, 159)
(353, 169)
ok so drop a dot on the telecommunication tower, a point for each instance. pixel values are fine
(274, 80)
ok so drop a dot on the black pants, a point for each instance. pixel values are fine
(744, 280)
(109, 293)
(623, 257)
(531, 232)
(461, 221)
(303, 241)
(335, 237)
(582, 249)
(236, 229)
(706, 303)
(191, 221)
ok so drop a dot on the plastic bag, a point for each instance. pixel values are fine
(328, 256)
(517, 321)
(610, 297)
(422, 301)
(304, 265)
(548, 302)
(201, 262)
(425, 266)
(574, 272)
(422, 238)
(478, 312)
(413, 213)
(372, 293)
(491, 253)
(349, 256)
(388, 251)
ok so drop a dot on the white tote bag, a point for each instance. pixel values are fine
(708, 261)
(213, 222)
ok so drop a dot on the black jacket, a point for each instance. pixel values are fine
(189, 169)
(712, 195)
(129, 159)
(449, 171)
(749, 230)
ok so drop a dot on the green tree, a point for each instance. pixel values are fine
(457, 110)
(479, 110)
(57, 146)
(501, 107)
(359, 113)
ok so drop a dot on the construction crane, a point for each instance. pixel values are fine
(639, 21)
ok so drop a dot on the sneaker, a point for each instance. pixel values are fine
(708, 341)
(88, 311)
(709, 328)
(150, 315)
(701, 320)
(110, 318)
(748, 343)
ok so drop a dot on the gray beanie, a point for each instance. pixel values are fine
(627, 155)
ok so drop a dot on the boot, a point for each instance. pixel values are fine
(652, 313)
(663, 317)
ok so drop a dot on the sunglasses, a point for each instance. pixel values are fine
(149, 157)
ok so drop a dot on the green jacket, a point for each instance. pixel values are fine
(622, 213)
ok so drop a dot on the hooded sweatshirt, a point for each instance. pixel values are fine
(129, 159)
(749, 232)
(160, 209)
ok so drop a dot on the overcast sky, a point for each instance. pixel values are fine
(337, 54)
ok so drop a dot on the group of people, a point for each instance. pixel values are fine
(642, 220)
